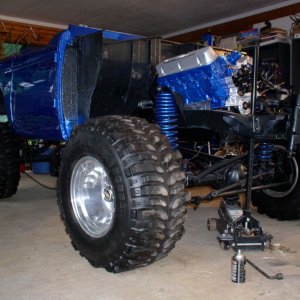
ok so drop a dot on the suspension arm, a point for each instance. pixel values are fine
(226, 192)
(209, 175)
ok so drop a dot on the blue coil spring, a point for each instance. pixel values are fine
(166, 116)
(264, 152)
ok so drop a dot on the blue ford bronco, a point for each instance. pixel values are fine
(133, 121)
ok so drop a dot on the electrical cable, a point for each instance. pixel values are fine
(41, 184)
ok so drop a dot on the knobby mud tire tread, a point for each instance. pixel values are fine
(152, 192)
(9, 165)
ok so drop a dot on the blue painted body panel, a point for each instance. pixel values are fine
(32, 112)
(31, 83)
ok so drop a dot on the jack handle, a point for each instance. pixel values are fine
(278, 276)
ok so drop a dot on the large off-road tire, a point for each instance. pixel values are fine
(121, 193)
(9, 165)
(283, 202)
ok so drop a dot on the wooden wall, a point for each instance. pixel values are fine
(238, 25)
(21, 33)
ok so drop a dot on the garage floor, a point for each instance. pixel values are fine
(38, 262)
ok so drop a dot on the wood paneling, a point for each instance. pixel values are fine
(238, 25)
(21, 33)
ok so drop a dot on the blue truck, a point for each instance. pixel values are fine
(134, 121)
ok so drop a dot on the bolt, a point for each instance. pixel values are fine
(108, 193)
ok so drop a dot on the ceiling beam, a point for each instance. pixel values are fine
(236, 26)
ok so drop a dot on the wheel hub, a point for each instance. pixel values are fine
(92, 197)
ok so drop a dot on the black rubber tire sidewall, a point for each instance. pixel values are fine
(9, 164)
(149, 190)
(284, 208)
(81, 145)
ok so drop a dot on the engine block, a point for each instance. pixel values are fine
(203, 79)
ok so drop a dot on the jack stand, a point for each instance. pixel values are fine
(236, 226)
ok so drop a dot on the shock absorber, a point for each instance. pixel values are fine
(166, 116)
(264, 152)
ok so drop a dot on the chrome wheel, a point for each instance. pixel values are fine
(92, 197)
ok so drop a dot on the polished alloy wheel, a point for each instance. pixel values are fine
(92, 197)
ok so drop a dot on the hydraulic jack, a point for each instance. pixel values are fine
(236, 227)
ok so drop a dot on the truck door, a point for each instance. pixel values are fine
(33, 113)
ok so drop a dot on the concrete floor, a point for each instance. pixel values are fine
(38, 262)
